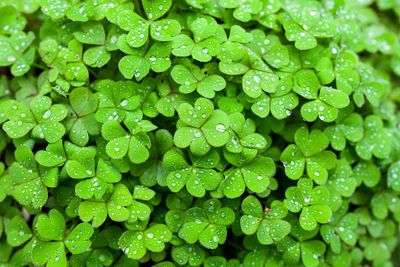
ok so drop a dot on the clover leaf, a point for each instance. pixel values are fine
(201, 127)
(207, 224)
(347, 76)
(135, 243)
(20, 119)
(52, 239)
(198, 177)
(341, 227)
(342, 180)
(195, 79)
(43, 119)
(308, 153)
(254, 175)
(93, 33)
(77, 240)
(139, 28)
(280, 103)
(306, 23)
(383, 202)
(139, 65)
(301, 246)
(347, 128)
(261, 255)
(268, 223)
(17, 53)
(393, 176)
(369, 87)
(99, 180)
(243, 10)
(117, 205)
(17, 231)
(255, 82)
(94, 211)
(327, 105)
(29, 180)
(135, 143)
(243, 137)
(116, 99)
(376, 141)
(191, 254)
(84, 104)
(368, 173)
(207, 39)
(310, 201)
(310, 251)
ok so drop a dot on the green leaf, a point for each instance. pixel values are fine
(334, 97)
(92, 33)
(143, 193)
(137, 37)
(165, 30)
(134, 66)
(96, 57)
(93, 211)
(78, 239)
(55, 9)
(51, 226)
(156, 236)
(156, 9)
(311, 251)
(52, 253)
(306, 84)
(393, 178)
(17, 231)
(271, 231)
(255, 82)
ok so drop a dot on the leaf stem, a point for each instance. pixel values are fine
(235, 245)
(139, 8)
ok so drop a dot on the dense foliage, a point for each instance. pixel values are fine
(199, 133)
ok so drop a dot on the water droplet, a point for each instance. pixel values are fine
(46, 115)
(150, 235)
(220, 128)
(124, 103)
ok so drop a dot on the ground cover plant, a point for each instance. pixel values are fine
(215, 133)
